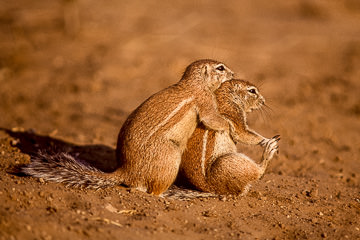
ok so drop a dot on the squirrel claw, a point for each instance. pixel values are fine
(276, 137)
(263, 142)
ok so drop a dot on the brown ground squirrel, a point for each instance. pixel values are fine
(211, 162)
(153, 138)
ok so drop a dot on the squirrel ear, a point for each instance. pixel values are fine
(205, 71)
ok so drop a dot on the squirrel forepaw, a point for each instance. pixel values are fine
(271, 148)
(265, 141)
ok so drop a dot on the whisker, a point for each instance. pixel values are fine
(268, 108)
(271, 102)
(260, 84)
(258, 114)
(263, 116)
(269, 111)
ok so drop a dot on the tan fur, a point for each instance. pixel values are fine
(153, 139)
(154, 136)
(211, 162)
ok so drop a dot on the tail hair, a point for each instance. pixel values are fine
(64, 168)
(183, 194)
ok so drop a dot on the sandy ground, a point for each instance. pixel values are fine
(71, 72)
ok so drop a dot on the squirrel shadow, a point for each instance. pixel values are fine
(99, 156)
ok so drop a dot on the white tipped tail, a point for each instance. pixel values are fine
(64, 168)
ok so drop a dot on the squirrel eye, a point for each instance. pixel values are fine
(253, 91)
(220, 68)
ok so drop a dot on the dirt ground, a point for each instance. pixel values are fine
(71, 71)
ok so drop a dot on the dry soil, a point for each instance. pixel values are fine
(71, 71)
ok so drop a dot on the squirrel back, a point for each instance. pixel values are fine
(153, 138)
(200, 168)
(211, 162)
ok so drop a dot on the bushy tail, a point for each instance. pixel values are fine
(64, 168)
(179, 193)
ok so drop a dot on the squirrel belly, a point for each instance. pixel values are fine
(155, 163)
(153, 138)
(211, 162)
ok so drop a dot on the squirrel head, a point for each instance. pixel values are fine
(208, 72)
(244, 94)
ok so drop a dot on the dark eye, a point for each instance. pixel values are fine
(220, 68)
(253, 91)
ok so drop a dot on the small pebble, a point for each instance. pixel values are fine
(28, 227)
(314, 193)
(222, 198)
(14, 142)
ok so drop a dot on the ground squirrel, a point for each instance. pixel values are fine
(211, 162)
(153, 138)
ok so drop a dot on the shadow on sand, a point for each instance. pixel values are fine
(99, 156)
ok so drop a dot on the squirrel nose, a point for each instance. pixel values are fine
(262, 100)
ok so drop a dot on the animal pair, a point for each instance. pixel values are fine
(192, 125)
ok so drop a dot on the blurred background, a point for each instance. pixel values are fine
(76, 69)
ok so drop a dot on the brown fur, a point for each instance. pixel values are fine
(211, 162)
(153, 138)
